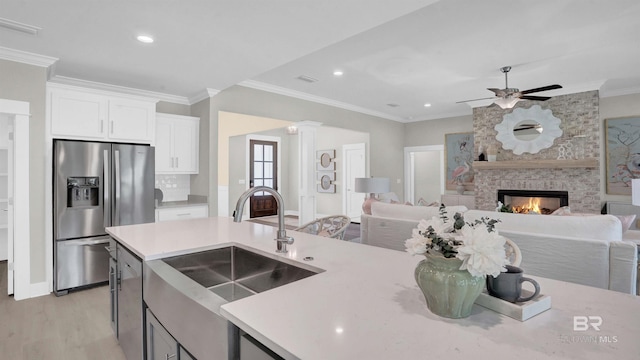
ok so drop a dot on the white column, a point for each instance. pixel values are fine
(307, 166)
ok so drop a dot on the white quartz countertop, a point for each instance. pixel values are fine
(366, 304)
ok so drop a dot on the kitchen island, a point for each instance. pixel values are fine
(366, 304)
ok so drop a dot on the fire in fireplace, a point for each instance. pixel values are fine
(533, 201)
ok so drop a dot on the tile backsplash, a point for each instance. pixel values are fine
(174, 187)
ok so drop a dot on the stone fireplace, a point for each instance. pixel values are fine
(533, 201)
(579, 115)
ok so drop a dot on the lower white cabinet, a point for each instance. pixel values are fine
(182, 212)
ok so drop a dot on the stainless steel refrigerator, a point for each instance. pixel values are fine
(96, 185)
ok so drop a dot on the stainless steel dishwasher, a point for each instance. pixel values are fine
(129, 304)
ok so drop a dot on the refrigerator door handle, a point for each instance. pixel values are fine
(84, 242)
(116, 179)
(106, 206)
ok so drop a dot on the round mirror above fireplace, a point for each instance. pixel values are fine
(528, 130)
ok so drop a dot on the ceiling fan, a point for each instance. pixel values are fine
(506, 98)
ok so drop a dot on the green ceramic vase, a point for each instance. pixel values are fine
(449, 292)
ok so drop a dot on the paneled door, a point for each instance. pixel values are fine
(263, 172)
(354, 167)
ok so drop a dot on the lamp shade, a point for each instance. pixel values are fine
(635, 192)
(372, 185)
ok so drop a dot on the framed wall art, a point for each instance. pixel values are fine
(623, 153)
(458, 149)
(326, 160)
(325, 174)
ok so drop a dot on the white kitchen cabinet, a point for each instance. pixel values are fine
(93, 115)
(182, 212)
(177, 144)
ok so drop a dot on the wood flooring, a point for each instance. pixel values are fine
(74, 326)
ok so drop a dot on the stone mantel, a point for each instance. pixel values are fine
(536, 164)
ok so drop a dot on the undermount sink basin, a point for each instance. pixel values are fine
(234, 273)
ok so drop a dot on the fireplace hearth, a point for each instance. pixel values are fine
(533, 201)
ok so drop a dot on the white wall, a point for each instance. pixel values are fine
(27, 83)
(386, 156)
(333, 138)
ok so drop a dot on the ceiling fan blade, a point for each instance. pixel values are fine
(464, 101)
(544, 88)
(538, 98)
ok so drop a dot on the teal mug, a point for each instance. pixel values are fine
(508, 285)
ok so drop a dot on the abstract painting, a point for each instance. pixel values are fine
(623, 154)
(459, 160)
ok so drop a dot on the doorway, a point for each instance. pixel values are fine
(354, 166)
(14, 196)
(424, 175)
(263, 162)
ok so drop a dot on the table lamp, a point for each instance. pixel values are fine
(372, 186)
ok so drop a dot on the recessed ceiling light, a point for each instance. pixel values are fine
(427, 105)
(338, 73)
(145, 39)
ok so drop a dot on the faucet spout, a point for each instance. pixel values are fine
(281, 238)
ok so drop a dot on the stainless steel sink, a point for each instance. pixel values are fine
(185, 293)
(234, 273)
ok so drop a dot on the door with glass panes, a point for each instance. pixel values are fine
(263, 172)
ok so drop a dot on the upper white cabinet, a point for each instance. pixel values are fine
(177, 144)
(94, 115)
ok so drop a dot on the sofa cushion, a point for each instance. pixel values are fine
(407, 212)
(596, 227)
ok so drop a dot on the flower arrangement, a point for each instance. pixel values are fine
(477, 244)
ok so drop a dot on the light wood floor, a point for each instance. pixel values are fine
(75, 326)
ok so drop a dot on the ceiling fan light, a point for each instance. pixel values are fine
(506, 103)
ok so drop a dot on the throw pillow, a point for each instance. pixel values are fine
(626, 221)
(565, 210)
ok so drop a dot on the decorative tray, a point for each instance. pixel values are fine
(519, 311)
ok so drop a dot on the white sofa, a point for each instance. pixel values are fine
(587, 250)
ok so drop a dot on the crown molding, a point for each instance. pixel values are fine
(119, 89)
(26, 57)
(450, 114)
(18, 26)
(317, 99)
(202, 95)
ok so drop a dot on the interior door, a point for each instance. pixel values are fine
(263, 172)
(354, 167)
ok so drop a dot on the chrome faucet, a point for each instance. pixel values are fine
(282, 237)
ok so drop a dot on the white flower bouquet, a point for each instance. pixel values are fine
(477, 244)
